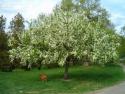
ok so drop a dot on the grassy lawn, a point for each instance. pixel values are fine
(82, 80)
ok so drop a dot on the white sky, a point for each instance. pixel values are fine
(30, 9)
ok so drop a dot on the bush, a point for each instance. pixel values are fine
(6, 67)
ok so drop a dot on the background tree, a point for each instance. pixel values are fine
(4, 56)
(16, 27)
(122, 43)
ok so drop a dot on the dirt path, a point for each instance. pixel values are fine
(117, 89)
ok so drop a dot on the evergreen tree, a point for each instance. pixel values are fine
(4, 57)
(16, 27)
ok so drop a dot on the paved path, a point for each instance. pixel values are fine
(117, 89)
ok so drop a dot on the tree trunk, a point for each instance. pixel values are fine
(28, 66)
(66, 66)
(39, 66)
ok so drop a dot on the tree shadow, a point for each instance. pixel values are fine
(92, 74)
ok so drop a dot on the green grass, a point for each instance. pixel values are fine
(82, 79)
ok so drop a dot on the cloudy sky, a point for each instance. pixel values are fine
(31, 8)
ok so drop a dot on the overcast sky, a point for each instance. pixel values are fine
(31, 8)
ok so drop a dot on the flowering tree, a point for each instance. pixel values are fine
(63, 34)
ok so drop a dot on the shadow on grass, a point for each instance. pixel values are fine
(92, 73)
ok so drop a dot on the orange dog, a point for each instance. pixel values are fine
(43, 77)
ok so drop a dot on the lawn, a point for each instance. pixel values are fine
(82, 80)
